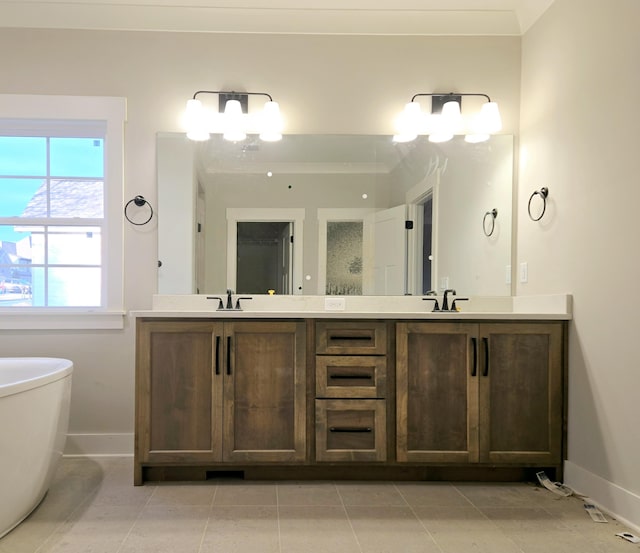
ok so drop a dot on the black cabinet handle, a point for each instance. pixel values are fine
(486, 356)
(228, 354)
(350, 376)
(368, 338)
(474, 369)
(350, 429)
(217, 354)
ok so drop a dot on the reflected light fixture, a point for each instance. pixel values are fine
(232, 119)
(446, 119)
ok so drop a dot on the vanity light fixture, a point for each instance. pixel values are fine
(446, 119)
(232, 119)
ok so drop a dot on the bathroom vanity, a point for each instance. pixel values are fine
(290, 390)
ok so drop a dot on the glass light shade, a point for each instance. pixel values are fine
(451, 118)
(408, 123)
(271, 123)
(489, 119)
(439, 129)
(195, 121)
(440, 137)
(233, 122)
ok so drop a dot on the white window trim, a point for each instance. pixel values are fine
(113, 111)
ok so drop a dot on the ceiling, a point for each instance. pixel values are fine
(353, 17)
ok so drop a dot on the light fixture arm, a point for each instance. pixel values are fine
(452, 94)
(233, 93)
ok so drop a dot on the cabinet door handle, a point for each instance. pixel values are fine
(350, 429)
(485, 340)
(474, 369)
(217, 354)
(347, 337)
(228, 354)
(350, 376)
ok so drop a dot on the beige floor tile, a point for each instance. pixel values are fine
(453, 519)
(312, 529)
(182, 494)
(556, 541)
(481, 541)
(370, 493)
(440, 494)
(240, 529)
(167, 529)
(255, 493)
(387, 529)
(501, 494)
(308, 493)
(523, 518)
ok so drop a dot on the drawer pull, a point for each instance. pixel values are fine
(369, 338)
(350, 376)
(350, 429)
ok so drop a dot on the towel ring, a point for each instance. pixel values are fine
(493, 214)
(543, 193)
(138, 201)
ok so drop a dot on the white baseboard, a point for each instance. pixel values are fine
(95, 445)
(622, 504)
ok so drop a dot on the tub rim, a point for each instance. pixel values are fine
(57, 368)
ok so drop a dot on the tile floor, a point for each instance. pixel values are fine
(93, 507)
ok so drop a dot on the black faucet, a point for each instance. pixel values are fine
(436, 307)
(229, 300)
(445, 301)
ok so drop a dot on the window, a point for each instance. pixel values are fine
(60, 206)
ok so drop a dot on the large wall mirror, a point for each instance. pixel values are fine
(334, 215)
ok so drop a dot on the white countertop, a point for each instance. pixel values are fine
(551, 307)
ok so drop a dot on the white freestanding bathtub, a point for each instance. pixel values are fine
(34, 417)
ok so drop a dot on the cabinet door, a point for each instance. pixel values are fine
(264, 392)
(521, 401)
(179, 407)
(437, 392)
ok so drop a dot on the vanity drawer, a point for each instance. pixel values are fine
(351, 338)
(351, 430)
(344, 376)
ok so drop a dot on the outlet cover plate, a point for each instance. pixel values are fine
(335, 304)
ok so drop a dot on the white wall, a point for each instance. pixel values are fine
(579, 138)
(324, 84)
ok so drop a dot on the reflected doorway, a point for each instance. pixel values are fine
(264, 254)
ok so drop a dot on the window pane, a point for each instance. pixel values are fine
(77, 157)
(74, 287)
(77, 198)
(23, 156)
(16, 195)
(344, 258)
(74, 246)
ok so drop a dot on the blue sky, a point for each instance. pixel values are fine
(23, 167)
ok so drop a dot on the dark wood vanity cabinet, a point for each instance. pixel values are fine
(219, 392)
(412, 397)
(480, 393)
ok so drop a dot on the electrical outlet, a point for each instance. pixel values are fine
(335, 304)
(444, 283)
(524, 272)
